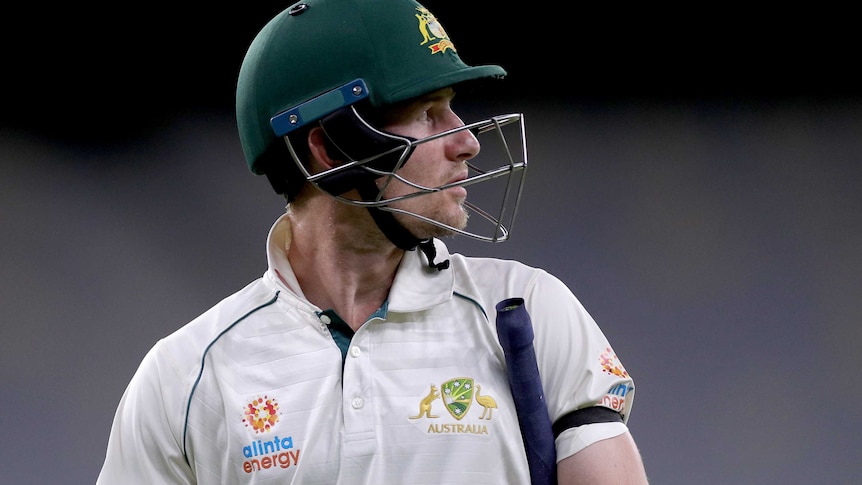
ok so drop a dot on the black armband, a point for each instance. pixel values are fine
(580, 417)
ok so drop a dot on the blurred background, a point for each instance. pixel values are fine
(694, 177)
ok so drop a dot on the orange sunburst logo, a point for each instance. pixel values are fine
(611, 363)
(261, 414)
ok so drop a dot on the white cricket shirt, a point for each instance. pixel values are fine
(257, 389)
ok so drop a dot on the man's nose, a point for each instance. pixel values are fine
(463, 144)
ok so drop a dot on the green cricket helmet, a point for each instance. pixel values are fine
(316, 60)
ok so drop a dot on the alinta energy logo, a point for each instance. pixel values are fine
(617, 395)
(457, 395)
(611, 363)
(261, 415)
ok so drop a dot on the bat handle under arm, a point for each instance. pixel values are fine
(515, 331)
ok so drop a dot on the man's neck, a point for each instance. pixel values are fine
(341, 260)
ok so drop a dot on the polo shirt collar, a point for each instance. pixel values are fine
(416, 286)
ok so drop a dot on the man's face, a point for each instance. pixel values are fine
(434, 163)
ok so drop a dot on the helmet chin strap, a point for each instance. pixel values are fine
(395, 232)
(356, 140)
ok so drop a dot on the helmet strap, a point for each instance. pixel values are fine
(395, 232)
(357, 140)
(427, 247)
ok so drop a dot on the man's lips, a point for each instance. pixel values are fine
(457, 178)
(458, 189)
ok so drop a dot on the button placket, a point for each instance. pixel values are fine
(324, 322)
(358, 399)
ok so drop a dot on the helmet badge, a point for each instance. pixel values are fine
(432, 31)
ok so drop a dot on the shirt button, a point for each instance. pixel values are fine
(325, 319)
(357, 402)
(355, 351)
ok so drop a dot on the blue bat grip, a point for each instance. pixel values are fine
(515, 331)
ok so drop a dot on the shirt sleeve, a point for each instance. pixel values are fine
(574, 440)
(577, 364)
(145, 445)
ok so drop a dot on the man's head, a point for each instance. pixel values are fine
(323, 63)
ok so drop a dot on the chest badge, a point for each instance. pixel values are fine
(457, 395)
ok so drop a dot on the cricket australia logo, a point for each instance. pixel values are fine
(457, 395)
(432, 31)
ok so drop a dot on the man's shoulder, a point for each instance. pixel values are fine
(202, 330)
(488, 266)
(490, 280)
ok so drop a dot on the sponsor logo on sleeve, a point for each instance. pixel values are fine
(616, 396)
(611, 363)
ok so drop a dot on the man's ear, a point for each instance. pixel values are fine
(322, 149)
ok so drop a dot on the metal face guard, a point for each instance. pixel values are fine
(500, 172)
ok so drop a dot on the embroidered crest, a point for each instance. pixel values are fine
(457, 395)
(432, 32)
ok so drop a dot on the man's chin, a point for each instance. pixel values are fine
(426, 230)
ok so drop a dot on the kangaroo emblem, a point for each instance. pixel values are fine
(429, 26)
(425, 405)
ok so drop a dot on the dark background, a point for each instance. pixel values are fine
(90, 73)
(694, 178)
